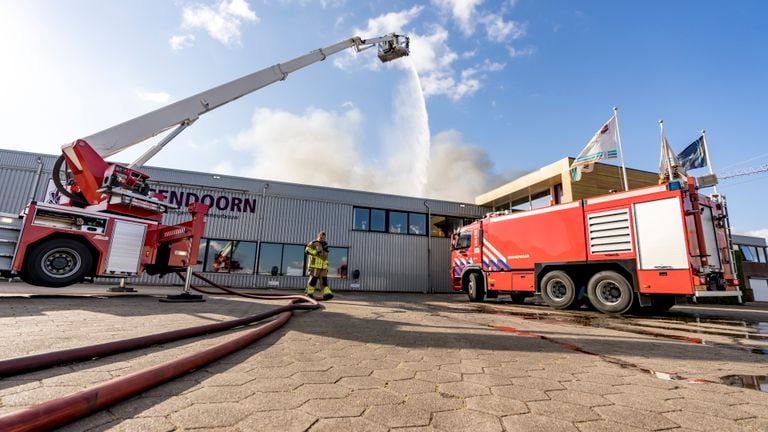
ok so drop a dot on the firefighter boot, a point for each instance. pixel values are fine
(310, 291)
(327, 293)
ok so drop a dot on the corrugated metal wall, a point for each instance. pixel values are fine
(389, 262)
(281, 213)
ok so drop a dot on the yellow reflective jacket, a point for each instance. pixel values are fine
(318, 254)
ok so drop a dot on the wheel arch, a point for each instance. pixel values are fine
(469, 270)
(80, 239)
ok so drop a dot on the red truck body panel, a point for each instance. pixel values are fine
(658, 233)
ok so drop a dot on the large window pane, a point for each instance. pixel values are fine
(443, 226)
(398, 222)
(361, 219)
(269, 256)
(337, 262)
(762, 255)
(200, 255)
(378, 220)
(218, 256)
(417, 223)
(243, 257)
(746, 253)
(293, 260)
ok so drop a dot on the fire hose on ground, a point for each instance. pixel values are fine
(57, 412)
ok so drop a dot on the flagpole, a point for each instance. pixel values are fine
(706, 154)
(665, 152)
(621, 150)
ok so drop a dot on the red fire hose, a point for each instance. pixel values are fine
(57, 412)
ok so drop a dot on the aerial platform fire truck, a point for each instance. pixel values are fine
(646, 247)
(109, 223)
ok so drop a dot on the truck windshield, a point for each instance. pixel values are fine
(464, 240)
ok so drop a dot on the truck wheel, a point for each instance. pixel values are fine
(558, 290)
(57, 263)
(475, 290)
(609, 292)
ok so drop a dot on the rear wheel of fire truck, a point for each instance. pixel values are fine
(475, 289)
(57, 263)
(558, 290)
(609, 292)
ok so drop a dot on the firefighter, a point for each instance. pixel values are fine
(318, 266)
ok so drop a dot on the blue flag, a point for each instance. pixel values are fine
(693, 156)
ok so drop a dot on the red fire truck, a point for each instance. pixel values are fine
(645, 247)
(108, 224)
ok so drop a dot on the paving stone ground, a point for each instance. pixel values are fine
(380, 362)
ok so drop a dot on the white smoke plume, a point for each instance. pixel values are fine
(323, 148)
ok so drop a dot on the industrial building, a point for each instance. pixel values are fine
(553, 184)
(256, 230)
(754, 265)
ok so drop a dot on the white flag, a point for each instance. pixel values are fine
(668, 162)
(601, 146)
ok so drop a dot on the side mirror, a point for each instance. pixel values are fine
(356, 274)
(454, 240)
(274, 270)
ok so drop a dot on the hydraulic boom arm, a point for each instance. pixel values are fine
(186, 111)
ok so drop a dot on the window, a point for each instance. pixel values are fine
(231, 256)
(270, 256)
(747, 253)
(378, 220)
(417, 223)
(337, 262)
(532, 201)
(444, 226)
(218, 256)
(293, 260)
(762, 255)
(398, 222)
(243, 257)
(200, 255)
(464, 241)
(361, 219)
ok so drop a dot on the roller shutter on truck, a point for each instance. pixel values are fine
(660, 235)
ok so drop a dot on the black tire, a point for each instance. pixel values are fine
(609, 292)
(475, 289)
(558, 290)
(57, 263)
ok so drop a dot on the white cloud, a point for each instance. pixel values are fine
(222, 21)
(463, 11)
(181, 41)
(431, 56)
(499, 30)
(389, 22)
(525, 52)
(154, 97)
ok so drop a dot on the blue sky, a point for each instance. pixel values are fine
(509, 86)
